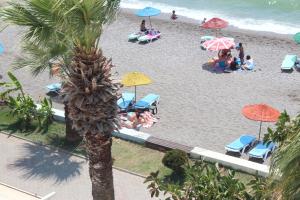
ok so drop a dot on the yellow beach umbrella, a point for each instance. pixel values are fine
(135, 79)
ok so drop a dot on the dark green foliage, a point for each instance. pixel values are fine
(285, 162)
(23, 107)
(45, 113)
(202, 181)
(175, 159)
(280, 134)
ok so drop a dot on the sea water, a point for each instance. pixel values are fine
(279, 16)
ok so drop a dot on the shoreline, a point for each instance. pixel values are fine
(165, 17)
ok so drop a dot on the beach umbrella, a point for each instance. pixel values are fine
(148, 12)
(218, 44)
(261, 112)
(1, 49)
(135, 79)
(215, 23)
(297, 38)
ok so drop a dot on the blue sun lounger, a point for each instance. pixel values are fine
(262, 150)
(288, 63)
(125, 101)
(240, 144)
(149, 102)
(55, 87)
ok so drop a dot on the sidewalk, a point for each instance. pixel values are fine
(40, 170)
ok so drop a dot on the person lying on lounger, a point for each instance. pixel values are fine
(249, 64)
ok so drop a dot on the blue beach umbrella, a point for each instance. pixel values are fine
(148, 12)
(1, 49)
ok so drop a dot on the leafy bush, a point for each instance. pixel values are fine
(175, 159)
(23, 105)
(24, 108)
(45, 113)
(202, 181)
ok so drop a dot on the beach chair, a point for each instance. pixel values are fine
(239, 145)
(262, 150)
(206, 38)
(135, 36)
(55, 87)
(149, 102)
(288, 63)
(152, 35)
(125, 101)
(1, 49)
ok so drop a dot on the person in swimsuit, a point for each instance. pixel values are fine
(241, 53)
(143, 26)
(173, 16)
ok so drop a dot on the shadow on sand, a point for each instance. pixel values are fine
(45, 163)
(212, 69)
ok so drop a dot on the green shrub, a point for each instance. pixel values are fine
(44, 113)
(24, 108)
(175, 159)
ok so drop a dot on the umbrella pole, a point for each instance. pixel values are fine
(135, 93)
(150, 22)
(259, 130)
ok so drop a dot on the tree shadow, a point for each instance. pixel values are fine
(60, 141)
(45, 163)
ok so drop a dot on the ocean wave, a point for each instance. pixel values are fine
(268, 25)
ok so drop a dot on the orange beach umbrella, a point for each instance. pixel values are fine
(261, 112)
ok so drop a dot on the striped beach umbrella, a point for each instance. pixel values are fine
(218, 44)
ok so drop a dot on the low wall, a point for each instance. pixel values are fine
(196, 153)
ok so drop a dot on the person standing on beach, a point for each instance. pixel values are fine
(241, 53)
(173, 16)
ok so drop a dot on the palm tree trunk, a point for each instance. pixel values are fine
(72, 136)
(100, 166)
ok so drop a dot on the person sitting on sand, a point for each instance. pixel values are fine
(173, 16)
(143, 26)
(249, 64)
(233, 65)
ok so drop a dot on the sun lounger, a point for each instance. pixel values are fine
(152, 35)
(125, 101)
(288, 63)
(206, 38)
(149, 102)
(55, 87)
(240, 144)
(135, 36)
(262, 150)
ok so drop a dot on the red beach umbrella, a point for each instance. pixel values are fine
(261, 112)
(218, 44)
(215, 23)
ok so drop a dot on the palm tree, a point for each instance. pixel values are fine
(67, 32)
(285, 163)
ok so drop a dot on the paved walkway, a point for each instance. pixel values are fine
(40, 170)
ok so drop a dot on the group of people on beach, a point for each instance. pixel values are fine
(226, 60)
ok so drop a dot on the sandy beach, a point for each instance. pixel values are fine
(198, 107)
